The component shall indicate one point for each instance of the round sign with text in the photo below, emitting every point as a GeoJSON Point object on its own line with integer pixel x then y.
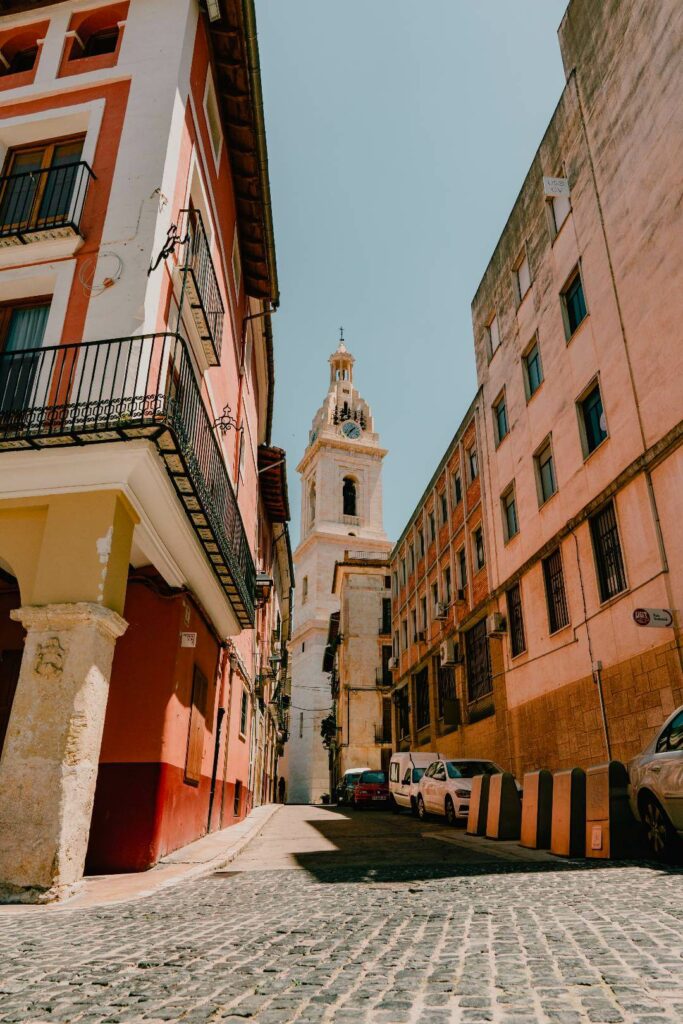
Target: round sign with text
{"type": "Point", "coordinates": [641, 617]}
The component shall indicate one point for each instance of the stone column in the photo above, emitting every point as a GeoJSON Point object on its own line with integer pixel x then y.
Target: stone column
{"type": "Point", "coordinates": [49, 764]}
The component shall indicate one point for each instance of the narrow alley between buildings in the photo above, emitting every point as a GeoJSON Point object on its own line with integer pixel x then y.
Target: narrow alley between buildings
{"type": "Point", "coordinates": [353, 917]}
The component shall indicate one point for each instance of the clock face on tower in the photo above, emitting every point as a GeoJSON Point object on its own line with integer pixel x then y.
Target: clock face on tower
{"type": "Point", "coordinates": [351, 430]}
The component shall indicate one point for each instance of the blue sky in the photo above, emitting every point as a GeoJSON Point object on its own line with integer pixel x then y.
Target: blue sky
{"type": "Point", "coordinates": [399, 134]}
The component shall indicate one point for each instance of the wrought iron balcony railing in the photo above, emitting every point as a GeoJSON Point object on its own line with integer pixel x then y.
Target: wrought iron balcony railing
{"type": "Point", "coordinates": [200, 284]}
{"type": "Point", "coordinates": [44, 203]}
{"type": "Point", "coordinates": [125, 389]}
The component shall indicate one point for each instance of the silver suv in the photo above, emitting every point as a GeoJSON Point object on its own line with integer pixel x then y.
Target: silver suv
{"type": "Point", "coordinates": [656, 787]}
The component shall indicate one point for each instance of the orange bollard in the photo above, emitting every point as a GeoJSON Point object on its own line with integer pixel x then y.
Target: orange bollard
{"type": "Point", "coordinates": [568, 832]}
{"type": "Point", "coordinates": [537, 810]}
{"type": "Point", "coordinates": [505, 809]}
{"type": "Point", "coordinates": [479, 802]}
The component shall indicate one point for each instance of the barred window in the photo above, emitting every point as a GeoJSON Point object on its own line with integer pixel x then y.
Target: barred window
{"type": "Point", "coordinates": [479, 681]}
{"type": "Point", "coordinates": [422, 698]}
{"type": "Point", "coordinates": [558, 611]}
{"type": "Point", "coordinates": [403, 706]}
{"type": "Point", "coordinates": [446, 686]}
{"type": "Point", "coordinates": [516, 619]}
{"type": "Point", "coordinates": [608, 557]}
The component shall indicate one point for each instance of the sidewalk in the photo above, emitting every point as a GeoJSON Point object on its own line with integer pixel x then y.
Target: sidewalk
{"type": "Point", "coordinates": [211, 853]}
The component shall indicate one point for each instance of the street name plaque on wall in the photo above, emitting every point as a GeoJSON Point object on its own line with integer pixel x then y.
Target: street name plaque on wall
{"type": "Point", "coordinates": [657, 618]}
{"type": "Point", "coordinates": [188, 639]}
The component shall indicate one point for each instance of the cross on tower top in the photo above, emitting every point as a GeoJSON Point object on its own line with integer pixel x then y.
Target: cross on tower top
{"type": "Point", "coordinates": [341, 333]}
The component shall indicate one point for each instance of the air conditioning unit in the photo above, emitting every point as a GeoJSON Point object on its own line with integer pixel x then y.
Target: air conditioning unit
{"type": "Point", "coordinates": [393, 664]}
{"type": "Point", "coordinates": [449, 652]}
{"type": "Point", "coordinates": [441, 610]}
{"type": "Point", "coordinates": [495, 624]}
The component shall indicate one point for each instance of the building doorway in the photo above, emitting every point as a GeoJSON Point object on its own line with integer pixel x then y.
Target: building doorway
{"type": "Point", "coordinates": [11, 649]}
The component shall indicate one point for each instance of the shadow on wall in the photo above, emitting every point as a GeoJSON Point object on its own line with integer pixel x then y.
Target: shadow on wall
{"type": "Point", "coordinates": [375, 847]}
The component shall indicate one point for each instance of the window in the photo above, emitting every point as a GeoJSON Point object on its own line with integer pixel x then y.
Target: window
{"type": "Point", "coordinates": [386, 615]}
{"type": "Point", "coordinates": [457, 487]}
{"type": "Point", "coordinates": [500, 419]}
{"type": "Point", "coordinates": [672, 737]}
{"type": "Point", "coordinates": [236, 262]}
{"type": "Point", "coordinates": [607, 549]}
{"type": "Point", "coordinates": [473, 464]}
{"type": "Point", "coordinates": [40, 190]}
{"type": "Point", "coordinates": [422, 699]}
{"type": "Point", "coordinates": [387, 679]}
{"type": "Point", "coordinates": [403, 571]}
{"type": "Point", "coordinates": [23, 59]}
{"type": "Point", "coordinates": [98, 43]}
{"type": "Point", "coordinates": [311, 504]}
{"type": "Point", "coordinates": [444, 508]}
{"type": "Point", "coordinates": [423, 612]}
{"type": "Point", "coordinates": [478, 544]}
{"type": "Point", "coordinates": [394, 583]}
{"type": "Point", "coordinates": [522, 277]}
{"type": "Point", "coordinates": [411, 558]}
{"type": "Point", "coordinates": [413, 623]}
{"type": "Point", "coordinates": [397, 649]}
{"type": "Point", "coordinates": [432, 528]}
{"type": "Point", "coordinates": [546, 482]}
{"type": "Point", "coordinates": [493, 335]}
{"type": "Point", "coordinates": [404, 631]}
{"type": "Point", "coordinates": [559, 207]}
{"type": "Point", "coordinates": [195, 736]}
{"type": "Point", "coordinates": [516, 620]}
{"type": "Point", "coordinates": [447, 593]}
{"type": "Point", "coordinates": [479, 680]}
{"type": "Point", "coordinates": [533, 370]}
{"type": "Point", "coordinates": [304, 590]}
{"type": "Point", "coordinates": [303, 647]}
{"type": "Point", "coordinates": [446, 678]}
{"type": "Point", "coordinates": [403, 709]}
{"type": "Point", "coordinates": [435, 597]}
{"type": "Point", "coordinates": [462, 568]}
{"type": "Point", "coordinates": [509, 507]}
{"type": "Point", "coordinates": [349, 496]}
{"type": "Point", "coordinates": [244, 713]}
{"type": "Point", "coordinates": [213, 118]}
{"type": "Point", "coordinates": [238, 797]}
{"type": "Point", "coordinates": [22, 329]}
{"type": "Point", "coordinates": [573, 305]}
{"type": "Point", "coordinates": [420, 543]}
{"type": "Point", "coordinates": [592, 423]}
{"type": "Point", "coordinates": [558, 611]}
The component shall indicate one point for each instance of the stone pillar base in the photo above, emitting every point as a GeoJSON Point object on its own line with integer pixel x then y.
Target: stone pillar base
{"type": "Point", "coordinates": [50, 759]}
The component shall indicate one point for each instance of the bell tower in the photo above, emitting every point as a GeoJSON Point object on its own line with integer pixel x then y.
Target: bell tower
{"type": "Point", "coordinates": [341, 510]}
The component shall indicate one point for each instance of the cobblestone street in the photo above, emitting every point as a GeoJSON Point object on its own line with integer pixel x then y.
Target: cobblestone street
{"type": "Point", "coordinates": [365, 917]}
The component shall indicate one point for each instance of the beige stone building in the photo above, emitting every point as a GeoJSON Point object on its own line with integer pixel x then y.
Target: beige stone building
{"type": "Point", "coordinates": [358, 658]}
{"type": "Point", "coordinates": [341, 505]}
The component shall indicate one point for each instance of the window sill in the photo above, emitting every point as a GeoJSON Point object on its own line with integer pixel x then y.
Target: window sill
{"type": "Point", "coordinates": [519, 654]}
{"type": "Point", "coordinates": [509, 540]}
{"type": "Point", "coordinates": [242, 737]}
{"type": "Point", "coordinates": [558, 231]}
{"type": "Point", "coordinates": [615, 597]}
{"type": "Point", "coordinates": [547, 500]}
{"type": "Point", "coordinates": [500, 440]}
{"type": "Point", "coordinates": [520, 302]}
{"type": "Point", "coordinates": [559, 630]}
{"type": "Point", "coordinates": [530, 398]}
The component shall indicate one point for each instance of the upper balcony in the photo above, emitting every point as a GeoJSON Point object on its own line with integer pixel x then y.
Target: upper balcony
{"type": "Point", "coordinates": [127, 389]}
{"type": "Point", "coordinates": [44, 205]}
{"type": "Point", "coordinates": [199, 285]}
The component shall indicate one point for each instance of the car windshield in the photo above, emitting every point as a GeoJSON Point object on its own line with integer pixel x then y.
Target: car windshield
{"type": "Point", "coordinates": [417, 774]}
{"type": "Point", "coordinates": [370, 777]}
{"type": "Point", "coordinates": [468, 769]}
{"type": "Point", "coordinates": [351, 780]}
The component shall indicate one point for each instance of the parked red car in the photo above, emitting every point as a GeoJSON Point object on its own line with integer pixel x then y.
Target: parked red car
{"type": "Point", "coordinates": [372, 790]}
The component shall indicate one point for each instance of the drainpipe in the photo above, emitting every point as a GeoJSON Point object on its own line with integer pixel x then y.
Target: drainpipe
{"type": "Point", "coordinates": [214, 770]}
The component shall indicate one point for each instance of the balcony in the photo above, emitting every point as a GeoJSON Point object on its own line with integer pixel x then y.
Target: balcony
{"type": "Point", "coordinates": [127, 389]}
{"type": "Point", "coordinates": [43, 205]}
{"type": "Point", "coordinates": [200, 285]}
{"type": "Point", "coordinates": [383, 677]}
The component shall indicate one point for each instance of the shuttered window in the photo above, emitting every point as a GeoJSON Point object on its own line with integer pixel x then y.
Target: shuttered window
{"type": "Point", "coordinates": [479, 679]}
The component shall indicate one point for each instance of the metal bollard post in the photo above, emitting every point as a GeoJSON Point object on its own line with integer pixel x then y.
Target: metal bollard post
{"type": "Point", "coordinates": [611, 830]}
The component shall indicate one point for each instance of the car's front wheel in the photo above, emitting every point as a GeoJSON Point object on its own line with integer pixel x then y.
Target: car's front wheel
{"type": "Point", "coordinates": [450, 811]}
{"type": "Point", "coordinates": [421, 809]}
{"type": "Point", "coordinates": [661, 837]}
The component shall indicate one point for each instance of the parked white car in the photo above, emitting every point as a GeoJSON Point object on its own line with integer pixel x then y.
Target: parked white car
{"type": "Point", "coordinates": [656, 787]}
{"type": "Point", "coordinates": [406, 768]}
{"type": "Point", "coordinates": [446, 786]}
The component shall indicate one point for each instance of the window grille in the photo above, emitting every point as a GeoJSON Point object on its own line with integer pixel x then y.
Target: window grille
{"type": "Point", "coordinates": [403, 706]}
{"type": "Point", "coordinates": [515, 617]}
{"type": "Point", "coordinates": [479, 681]}
{"type": "Point", "coordinates": [446, 686]}
{"type": "Point", "coordinates": [558, 611]}
{"type": "Point", "coordinates": [608, 557]}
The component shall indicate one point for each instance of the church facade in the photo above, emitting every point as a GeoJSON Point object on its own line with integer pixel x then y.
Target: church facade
{"type": "Point", "coordinates": [341, 514]}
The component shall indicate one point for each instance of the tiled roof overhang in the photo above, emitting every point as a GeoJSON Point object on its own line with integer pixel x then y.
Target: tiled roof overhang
{"type": "Point", "coordinates": [273, 482]}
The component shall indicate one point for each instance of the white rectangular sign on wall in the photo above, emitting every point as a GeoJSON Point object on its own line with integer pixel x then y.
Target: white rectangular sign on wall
{"type": "Point", "coordinates": [556, 186]}
{"type": "Point", "coordinates": [188, 639]}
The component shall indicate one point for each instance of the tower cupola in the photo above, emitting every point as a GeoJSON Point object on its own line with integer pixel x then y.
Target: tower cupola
{"type": "Point", "coordinates": [341, 364]}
